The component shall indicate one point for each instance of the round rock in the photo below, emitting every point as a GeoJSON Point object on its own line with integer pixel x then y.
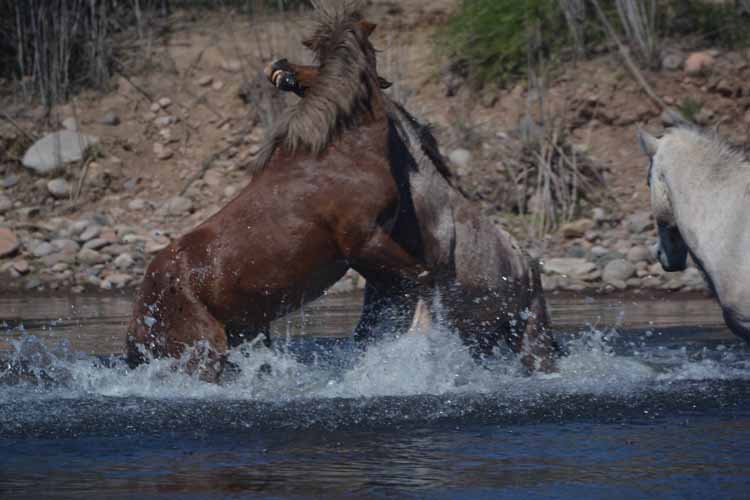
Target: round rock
{"type": "Point", "coordinates": [54, 150]}
{"type": "Point", "coordinates": [8, 242]}
{"type": "Point", "coordinates": [618, 270]}
{"type": "Point", "coordinates": [460, 157]}
{"type": "Point", "coordinates": [639, 254]}
{"type": "Point", "coordinates": [59, 188]}
{"type": "Point", "coordinates": [5, 203]}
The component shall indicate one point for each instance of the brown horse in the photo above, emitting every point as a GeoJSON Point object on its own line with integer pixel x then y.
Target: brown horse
{"type": "Point", "coordinates": [324, 199]}
{"type": "Point", "coordinates": [490, 290]}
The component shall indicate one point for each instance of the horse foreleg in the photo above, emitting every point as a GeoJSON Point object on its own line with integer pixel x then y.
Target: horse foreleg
{"type": "Point", "coordinates": [381, 259]}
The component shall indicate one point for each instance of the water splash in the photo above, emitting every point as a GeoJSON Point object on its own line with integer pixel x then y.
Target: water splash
{"type": "Point", "coordinates": [435, 364]}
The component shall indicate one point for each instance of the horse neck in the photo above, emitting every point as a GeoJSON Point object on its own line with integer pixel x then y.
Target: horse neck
{"type": "Point", "coordinates": [710, 207]}
{"type": "Point", "coordinates": [430, 195]}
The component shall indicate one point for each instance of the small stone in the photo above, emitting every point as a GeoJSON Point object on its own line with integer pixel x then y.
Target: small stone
{"type": "Point", "coordinates": [178, 205]}
{"type": "Point", "coordinates": [204, 81]}
{"type": "Point", "coordinates": [110, 118]}
{"type": "Point", "coordinates": [638, 254]}
{"type": "Point", "coordinates": [651, 282]}
{"type": "Point", "coordinates": [699, 63]}
{"type": "Point", "coordinates": [693, 278]}
{"type": "Point", "coordinates": [91, 232]}
{"type": "Point", "coordinates": [570, 266]}
{"type": "Point", "coordinates": [5, 203]}
{"type": "Point", "coordinates": [217, 85]}
{"type": "Point", "coordinates": [232, 66]}
{"type": "Point", "coordinates": [230, 191]}
{"type": "Point", "coordinates": [639, 222]}
{"type": "Point", "coordinates": [156, 246]}
{"type": "Point", "coordinates": [79, 226]}
{"type": "Point", "coordinates": [59, 188]}
{"type": "Point", "coordinates": [97, 243]}
{"type": "Point", "coordinates": [617, 270]}
{"type": "Point", "coordinates": [162, 152]}
{"type": "Point", "coordinates": [673, 284]}
{"type": "Point", "coordinates": [599, 215]}
{"type": "Point", "coordinates": [90, 257]}
{"type": "Point", "coordinates": [577, 228]}
{"type": "Point", "coordinates": [9, 181]}
{"type": "Point", "coordinates": [549, 283]}
{"type": "Point", "coordinates": [42, 249]}
{"type": "Point", "coordinates": [124, 261]}
{"type": "Point", "coordinates": [71, 124]}
{"type": "Point", "coordinates": [116, 249]}
{"type": "Point", "coordinates": [119, 280]}
{"type": "Point", "coordinates": [672, 61]}
{"type": "Point", "coordinates": [21, 266]}
{"type": "Point", "coordinates": [618, 284]}
{"type": "Point", "coordinates": [9, 243]}
{"type": "Point", "coordinates": [598, 251]}
{"type": "Point", "coordinates": [633, 283]}
{"type": "Point", "coordinates": [213, 178]}
{"type": "Point", "coordinates": [137, 204]}
{"type": "Point", "coordinates": [165, 121]}
{"type": "Point", "coordinates": [65, 246]}
{"type": "Point", "coordinates": [460, 158]}
{"type": "Point", "coordinates": [164, 102]}
{"type": "Point", "coordinates": [155, 107]}
{"type": "Point", "coordinates": [60, 267]}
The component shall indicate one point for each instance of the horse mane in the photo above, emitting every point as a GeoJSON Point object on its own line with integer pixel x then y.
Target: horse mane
{"type": "Point", "coordinates": [342, 94]}
{"type": "Point", "coordinates": [427, 143]}
{"type": "Point", "coordinates": [716, 145]}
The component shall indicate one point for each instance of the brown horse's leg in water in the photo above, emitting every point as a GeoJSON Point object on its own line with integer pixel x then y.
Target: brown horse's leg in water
{"type": "Point", "coordinates": [200, 334]}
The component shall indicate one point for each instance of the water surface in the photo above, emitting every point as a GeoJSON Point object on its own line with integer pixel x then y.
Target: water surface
{"type": "Point", "coordinates": [652, 401]}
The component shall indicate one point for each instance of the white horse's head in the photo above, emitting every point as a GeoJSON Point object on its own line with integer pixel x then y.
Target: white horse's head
{"type": "Point", "coordinates": [671, 251]}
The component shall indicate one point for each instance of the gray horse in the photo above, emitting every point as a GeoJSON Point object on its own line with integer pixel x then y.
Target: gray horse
{"type": "Point", "coordinates": [489, 289]}
{"type": "Point", "coordinates": [700, 196]}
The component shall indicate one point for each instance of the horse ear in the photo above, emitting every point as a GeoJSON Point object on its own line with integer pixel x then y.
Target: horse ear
{"type": "Point", "coordinates": [368, 27]}
{"type": "Point", "coordinates": [649, 144]}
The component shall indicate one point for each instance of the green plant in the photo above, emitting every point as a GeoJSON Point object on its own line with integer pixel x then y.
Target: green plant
{"type": "Point", "coordinates": [720, 23]}
{"type": "Point", "coordinates": [689, 107]}
{"type": "Point", "coordinates": [492, 36]}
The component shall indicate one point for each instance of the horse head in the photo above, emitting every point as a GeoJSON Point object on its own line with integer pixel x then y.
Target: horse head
{"type": "Point", "coordinates": [671, 250]}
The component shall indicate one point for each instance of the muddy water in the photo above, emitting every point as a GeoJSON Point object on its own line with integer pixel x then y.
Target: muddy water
{"type": "Point", "coordinates": [652, 400]}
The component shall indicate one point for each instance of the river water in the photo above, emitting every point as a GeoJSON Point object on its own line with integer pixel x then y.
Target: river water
{"type": "Point", "coordinates": [652, 400]}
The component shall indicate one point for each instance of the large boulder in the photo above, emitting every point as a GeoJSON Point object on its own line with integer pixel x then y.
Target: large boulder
{"type": "Point", "coordinates": [54, 150]}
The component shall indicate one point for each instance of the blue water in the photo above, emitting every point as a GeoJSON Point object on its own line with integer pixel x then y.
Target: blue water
{"type": "Point", "coordinates": [635, 412]}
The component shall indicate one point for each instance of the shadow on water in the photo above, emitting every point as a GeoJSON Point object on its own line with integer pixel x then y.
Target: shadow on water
{"type": "Point", "coordinates": [652, 400]}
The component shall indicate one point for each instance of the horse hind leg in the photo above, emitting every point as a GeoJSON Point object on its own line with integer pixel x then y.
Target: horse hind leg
{"type": "Point", "coordinates": [536, 345]}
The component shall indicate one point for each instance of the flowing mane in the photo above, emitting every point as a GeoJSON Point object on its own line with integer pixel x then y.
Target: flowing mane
{"type": "Point", "coordinates": [343, 93]}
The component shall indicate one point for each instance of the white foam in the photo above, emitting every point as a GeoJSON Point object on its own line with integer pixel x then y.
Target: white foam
{"type": "Point", "coordinates": [437, 363]}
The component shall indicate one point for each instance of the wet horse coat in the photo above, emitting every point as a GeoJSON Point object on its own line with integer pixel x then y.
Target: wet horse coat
{"type": "Point", "coordinates": [323, 200]}
{"type": "Point", "coordinates": [490, 290]}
